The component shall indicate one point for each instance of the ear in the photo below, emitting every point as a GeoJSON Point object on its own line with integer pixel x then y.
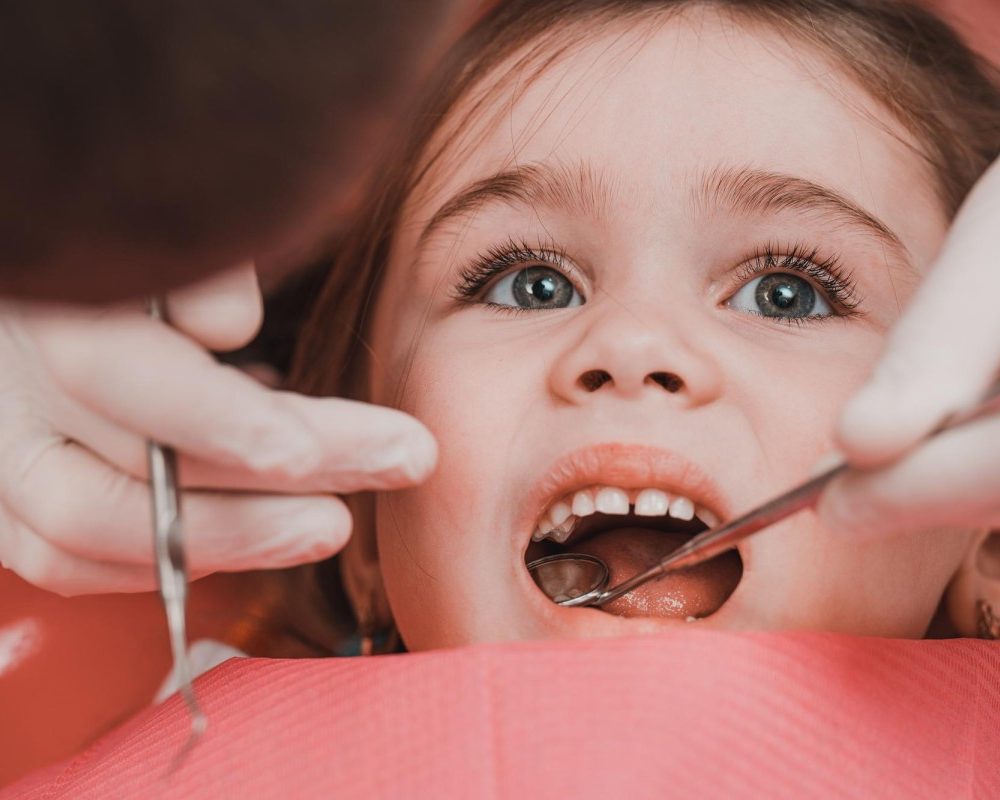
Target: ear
{"type": "Point", "coordinates": [360, 571]}
{"type": "Point", "coordinates": [974, 595]}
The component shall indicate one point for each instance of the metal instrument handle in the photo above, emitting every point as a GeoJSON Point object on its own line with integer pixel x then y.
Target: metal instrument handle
{"type": "Point", "coordinates": [171, 564]}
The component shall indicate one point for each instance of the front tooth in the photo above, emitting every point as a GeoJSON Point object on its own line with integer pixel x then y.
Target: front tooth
{"type": "Point", "coordinates": [651, 503]}
{"type": "Point", "coordinates": [706, 516]}
{"type": "Point", "coordinates": [561, 534]}
{"type": "Point", "coordinates": [559, 513]}
{"type": "Point", "coordinates": [583, 503]}
{"type": "Point", "coordinates": [682, 508]}
{"type": "Point", "coordinates": [611, 500]}
{"type": "Point", "coordinates": [538, 535]}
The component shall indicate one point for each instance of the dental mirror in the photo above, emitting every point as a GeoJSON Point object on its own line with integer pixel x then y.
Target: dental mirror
{"type": "Point", "coordinates": [570, 579]}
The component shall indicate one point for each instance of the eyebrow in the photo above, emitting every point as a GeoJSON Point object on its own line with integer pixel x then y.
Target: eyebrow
{"type": "Point", "coordinates": [588, 191]}
{"type": "Point", "coordinates": [579, 189]}
{"type": "Point", "coordinates": [752, 191]}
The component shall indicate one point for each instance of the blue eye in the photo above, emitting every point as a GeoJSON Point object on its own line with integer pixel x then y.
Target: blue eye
{"type": "Point", "coordinates": [780, 295]}
{"type": "Point", "coordinates": [534, 288]}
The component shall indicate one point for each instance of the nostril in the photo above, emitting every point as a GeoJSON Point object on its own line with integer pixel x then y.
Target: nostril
{"type": "Point", "coordinates": [594, 379]}
{"type": "Point", "coordinates": [667, 380]}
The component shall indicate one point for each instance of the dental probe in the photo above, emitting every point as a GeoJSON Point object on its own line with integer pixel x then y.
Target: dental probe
{"type": "Point", "coordinates": [171, 566]}
{"type": "Point", "coordinates": [576, 579]}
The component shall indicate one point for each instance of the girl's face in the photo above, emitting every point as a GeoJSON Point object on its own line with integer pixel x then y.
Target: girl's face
{"type": "Point", "coordinates": [641, 283]}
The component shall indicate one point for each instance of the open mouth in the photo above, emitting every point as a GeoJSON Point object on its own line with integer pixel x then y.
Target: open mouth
{"type": "Point", "coordinates": [630, 530]}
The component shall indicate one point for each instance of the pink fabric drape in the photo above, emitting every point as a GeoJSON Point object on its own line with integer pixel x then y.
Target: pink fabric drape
{"type": "Point", "coordinates": [685, 714]}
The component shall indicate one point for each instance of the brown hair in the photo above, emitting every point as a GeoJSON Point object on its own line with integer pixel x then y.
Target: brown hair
{"type": "Point", "coordinates": [143, 143]}
{"type": "Point", "coordinates": [905, 57]}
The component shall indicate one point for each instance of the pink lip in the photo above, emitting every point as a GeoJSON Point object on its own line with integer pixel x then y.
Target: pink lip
{"type": "Point", "coordinates": [628, 466]}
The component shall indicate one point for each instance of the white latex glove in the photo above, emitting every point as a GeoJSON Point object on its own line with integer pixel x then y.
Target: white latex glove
{"type": "Point", "coordinates": [81, 390]}
{"type": "Point", "coordinates": [941, 357]}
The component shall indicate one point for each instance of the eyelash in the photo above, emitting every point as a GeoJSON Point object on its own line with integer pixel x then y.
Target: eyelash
{"type": "Point", "coordinates": [826, 272]}
{"type": "Point", "coordinates": [493, 263]}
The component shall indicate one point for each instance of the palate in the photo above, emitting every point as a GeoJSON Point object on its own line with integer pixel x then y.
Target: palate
{"type": "Point", "coordinates": [595, 524]}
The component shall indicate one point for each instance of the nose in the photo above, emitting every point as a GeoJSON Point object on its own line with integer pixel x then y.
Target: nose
{"type": "Point", "coordinates": [631, 355]}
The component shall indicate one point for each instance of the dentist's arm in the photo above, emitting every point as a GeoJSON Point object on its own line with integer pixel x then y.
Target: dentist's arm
{"type": "Point", "coordinates": [941, 356]}
{"type": "Point", "coordinates": [81, 390]}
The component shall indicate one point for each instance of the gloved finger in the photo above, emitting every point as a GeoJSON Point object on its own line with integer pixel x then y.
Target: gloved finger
{"type": "Point", "coordinates": [155, 382]}
{"type": "Point", "coordinates": [354, 454]}
{"type": "Point", "coordinates": [115, 444]}
{"type": "Point", "coordinates": [952, 479]}
{"type": "Point", "coordinates": [87, 508]}
{"type": "Point", "coordinates": [346, 462]}
{"type": "Point", "coordinates": [44, 565]}
{"type": "Point", "coordinates": [945, 350]}
{"type": "Point", "coordinates": [223, 312]}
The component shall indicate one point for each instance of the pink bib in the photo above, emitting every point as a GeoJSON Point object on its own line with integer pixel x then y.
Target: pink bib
{"type": "Point", "coordinates": [686, 714]}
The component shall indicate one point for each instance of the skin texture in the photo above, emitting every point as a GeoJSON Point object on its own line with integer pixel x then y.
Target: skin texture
{"type": "Point", "coordinates": [656, 264]}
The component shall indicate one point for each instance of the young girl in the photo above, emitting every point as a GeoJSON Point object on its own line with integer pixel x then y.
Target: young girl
{"type": "Point", "coordinates": [632, 262]}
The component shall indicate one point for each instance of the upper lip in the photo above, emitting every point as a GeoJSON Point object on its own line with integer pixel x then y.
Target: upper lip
{"type": "Point", "coordinates": [627, 466]}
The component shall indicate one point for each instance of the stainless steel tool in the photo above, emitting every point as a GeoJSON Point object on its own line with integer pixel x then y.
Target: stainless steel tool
{"type": "Point", "coordinates": [171, 566]}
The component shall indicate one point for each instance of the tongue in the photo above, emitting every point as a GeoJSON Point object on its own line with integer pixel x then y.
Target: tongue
{"type": "Point", "coordinates": [694, 592]}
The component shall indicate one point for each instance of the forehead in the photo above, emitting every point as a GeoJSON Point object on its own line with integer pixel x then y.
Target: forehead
{"type": "Point", "coordinates": [656, 104]}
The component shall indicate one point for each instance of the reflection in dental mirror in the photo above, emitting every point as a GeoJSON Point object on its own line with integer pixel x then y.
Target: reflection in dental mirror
{"type": "Point", "coordinates": [570, 579]}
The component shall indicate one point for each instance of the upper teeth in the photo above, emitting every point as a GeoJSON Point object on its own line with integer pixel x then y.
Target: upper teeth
{"type": "Point", "coordinates": [561, 517]}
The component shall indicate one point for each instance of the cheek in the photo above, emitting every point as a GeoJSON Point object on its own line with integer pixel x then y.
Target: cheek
{"type": "Point", "coordinates": [474, 385]}
{"type": "Point", "coordinates": [802, 574]}
{"type": "Point", "coordinates": [822, 579]}
{"type": "Point", "coordinates": [792, 395]}
{"type": "Point", "coordinates": [471, 401]}
{"type": "Point", "coordinates": [441, 543]}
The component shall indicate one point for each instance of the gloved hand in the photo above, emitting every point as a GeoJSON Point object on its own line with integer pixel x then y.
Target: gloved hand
{"type": "Point", "coordinates": [941, 356]}
{"type": "Point", "coordinates": [81, 390]}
